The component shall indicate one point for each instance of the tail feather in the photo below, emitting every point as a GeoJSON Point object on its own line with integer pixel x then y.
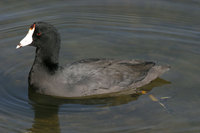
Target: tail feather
{"type": "Point", "coordinates": [153, 73]}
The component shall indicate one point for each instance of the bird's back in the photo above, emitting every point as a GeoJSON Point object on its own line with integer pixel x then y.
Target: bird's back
{"type": "Point", "coordinates": [100, 76]}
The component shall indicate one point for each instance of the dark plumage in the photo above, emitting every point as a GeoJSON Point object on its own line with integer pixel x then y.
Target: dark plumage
{"type": "Point", "coordinates": [85, 77]}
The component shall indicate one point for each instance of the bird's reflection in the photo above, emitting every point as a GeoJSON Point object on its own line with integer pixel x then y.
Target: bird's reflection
{"type": "Point", "coordinates": [46, 108]}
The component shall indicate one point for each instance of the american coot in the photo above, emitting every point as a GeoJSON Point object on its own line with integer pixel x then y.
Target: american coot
{"type": "Point", "coordinates": [85, 77]}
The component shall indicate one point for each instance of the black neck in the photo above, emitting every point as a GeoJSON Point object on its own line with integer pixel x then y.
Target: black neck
{"type": "Point", "coordinates": [48, 59]}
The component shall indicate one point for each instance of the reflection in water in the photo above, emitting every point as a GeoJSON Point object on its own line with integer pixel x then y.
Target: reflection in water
{"type": "Point", "coordinates": [46, 119]}
{"type": "Point", "coordinates": [165, 31]}
{"type": "Point", "coordinates": [46, 107]}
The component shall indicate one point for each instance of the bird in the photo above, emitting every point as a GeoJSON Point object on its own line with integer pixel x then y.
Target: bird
{"type": "Point", "coordinates": [86, 77]}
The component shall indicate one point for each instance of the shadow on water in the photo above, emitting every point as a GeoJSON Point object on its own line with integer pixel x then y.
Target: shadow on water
{"type": "Point", "coordinates": [46, 108]}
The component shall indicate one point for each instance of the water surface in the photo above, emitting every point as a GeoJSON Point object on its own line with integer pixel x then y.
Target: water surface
{"type": "Point", "coordinates": [158, 30]}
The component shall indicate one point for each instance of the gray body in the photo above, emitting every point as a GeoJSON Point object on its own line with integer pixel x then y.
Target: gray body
{"type": "Point", "coordinates": [96, 76]}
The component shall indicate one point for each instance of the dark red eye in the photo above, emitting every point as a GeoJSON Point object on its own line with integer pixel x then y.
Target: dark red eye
{"type": "Point", "coordinates": [39, 34]}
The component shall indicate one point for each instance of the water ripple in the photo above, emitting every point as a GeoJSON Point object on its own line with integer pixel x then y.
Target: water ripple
{"type": "Point", "coordinates": [163, 31]}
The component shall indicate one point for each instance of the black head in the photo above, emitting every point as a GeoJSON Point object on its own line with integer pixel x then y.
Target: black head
{"type": "Point", "coordinates": [46, 39]}
{"type": "Point", "coordinates": [41, 35]}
